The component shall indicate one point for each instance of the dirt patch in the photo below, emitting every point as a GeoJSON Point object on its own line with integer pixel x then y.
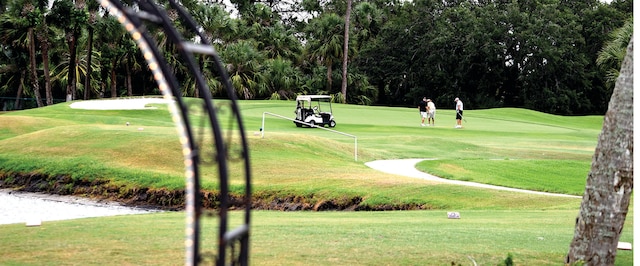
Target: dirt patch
{"type": "Point", "coordinates": [164, 199]}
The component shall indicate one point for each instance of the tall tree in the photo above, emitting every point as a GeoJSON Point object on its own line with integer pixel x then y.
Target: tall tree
{"type": "Point", "coordinates": [325, 40]}
{"type": "Point", "coordinates": [72, 17]}
{"type": "Point", "coordinates": [42, 34]}
{"type": "Point", "coordinates": [112, 44]}
{"type": "Point", "coordinates": [345, 52]}
{"type": "Point", "coordinates": [31, 12]}
{"type": "Point", "coordinates": [610, 182]}
{"type": "Point", "coordinates": [92, 7]}
{"type": "Point", "coordinates": [15, 57]}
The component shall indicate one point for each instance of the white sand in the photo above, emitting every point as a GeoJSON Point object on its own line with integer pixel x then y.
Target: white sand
{"type": "Point", "coordinates": [22, 207]}
{"type": "Point", "coordinates": [119, 103]}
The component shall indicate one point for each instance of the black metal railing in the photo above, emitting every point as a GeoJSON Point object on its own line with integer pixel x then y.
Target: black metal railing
{"type": "Point", "coordinates": [223, 147]}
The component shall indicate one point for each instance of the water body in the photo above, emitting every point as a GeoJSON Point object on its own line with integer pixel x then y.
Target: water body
{"type": "Point", "coordinates": [29, 208]}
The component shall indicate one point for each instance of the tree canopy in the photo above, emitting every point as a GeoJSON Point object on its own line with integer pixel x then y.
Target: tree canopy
{"type": "Point", "coordinates": [544, 55]}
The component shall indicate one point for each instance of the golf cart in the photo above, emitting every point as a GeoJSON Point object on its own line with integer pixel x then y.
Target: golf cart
{"type": "Point", "coordinates": [309, 110]}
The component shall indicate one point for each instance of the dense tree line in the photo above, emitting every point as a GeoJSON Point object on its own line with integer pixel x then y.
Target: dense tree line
{"type": "Point", "coordinates": [536, 54]}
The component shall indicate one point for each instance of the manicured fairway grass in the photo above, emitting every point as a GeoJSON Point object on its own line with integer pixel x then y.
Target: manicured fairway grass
{"type": "Point", "coordinates": [508, 147]}
{"type": "Point", "coordinates": [557, 176]}
{"type": "Point", "coordinates": [310, 238]}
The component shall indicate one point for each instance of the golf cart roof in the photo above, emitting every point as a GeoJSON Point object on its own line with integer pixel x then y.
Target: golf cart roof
{"type": "Point", "coordinates": [309, 98]}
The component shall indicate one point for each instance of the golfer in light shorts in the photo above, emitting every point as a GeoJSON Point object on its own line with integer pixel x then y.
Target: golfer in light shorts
{"type": "Point", "coordinates": [431, 113]}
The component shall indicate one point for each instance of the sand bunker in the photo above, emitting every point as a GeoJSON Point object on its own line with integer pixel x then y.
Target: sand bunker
{"type": "Point", "coordinates": [119, 104]}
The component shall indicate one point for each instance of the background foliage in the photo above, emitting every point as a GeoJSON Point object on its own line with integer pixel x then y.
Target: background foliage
{"type": "Point", "coordinates": [536, 54]}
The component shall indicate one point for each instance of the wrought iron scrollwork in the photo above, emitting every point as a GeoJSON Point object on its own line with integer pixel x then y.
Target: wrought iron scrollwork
{"type": "Point", "coordinates": [220, 150]}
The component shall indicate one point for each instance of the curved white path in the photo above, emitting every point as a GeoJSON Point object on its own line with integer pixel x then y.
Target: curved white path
{"type": "Point", "coordinates": [407, 167]}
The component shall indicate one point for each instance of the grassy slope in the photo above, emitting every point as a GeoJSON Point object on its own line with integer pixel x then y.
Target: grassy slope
{"type": "Point", "coordinates": [314, 163]}
{"type": "Point", "coordinates": [310, 162]}
{"type": "Point", "coordinates": [512, 144]}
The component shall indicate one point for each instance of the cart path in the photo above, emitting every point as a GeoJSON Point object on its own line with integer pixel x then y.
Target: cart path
{"type": "Point", "coordinates": [407, 167]}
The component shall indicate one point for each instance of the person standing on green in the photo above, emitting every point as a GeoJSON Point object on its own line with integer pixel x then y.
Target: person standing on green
{"type": "Point", "coordinates": [459, 109]}
{"type": "Point", "coordinates": [422, 107]}
{"type": "Point", "coordinates": [431, 113]}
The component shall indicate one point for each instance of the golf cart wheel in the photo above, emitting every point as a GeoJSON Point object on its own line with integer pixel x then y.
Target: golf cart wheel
{"type": "Point", "coordinates": [298, 124]}
{"type": "Point", "coordinates": [332, 123]}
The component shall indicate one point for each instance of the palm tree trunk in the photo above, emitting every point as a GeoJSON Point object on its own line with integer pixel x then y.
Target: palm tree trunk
{"type": "Point", "coordinates": [44, 48]}
{"type": "Point", "coordinates": [16, 105]}
{"type": "Point", "coordinates": [34, 73]}
{"type": "Point", "coordinates": [71, 77]}
{"type": "Point", "coordinates": [114, 92]}
{"type": "Point", "coordinates": [345, 52]}
{"type": "Point", "coordinates": [329, 73]}
{"type": "Point", "coordinates": [196, 92]}
{"type": "Point", "coordinates": [128, 69]}
{"type": "Point", "coordinates": [87, 78]}
{"type": "Point", "coordinates": [610, 182]}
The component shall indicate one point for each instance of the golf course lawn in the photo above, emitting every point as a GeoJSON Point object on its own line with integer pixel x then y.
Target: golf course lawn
{"type": "Point", "coordinates": [295, 167]}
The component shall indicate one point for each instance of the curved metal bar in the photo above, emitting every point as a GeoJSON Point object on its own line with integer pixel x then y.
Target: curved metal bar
{"type": "Point", "coordinates": [168, 84]}
{"type": "Point", "coordinates": [204, 90]}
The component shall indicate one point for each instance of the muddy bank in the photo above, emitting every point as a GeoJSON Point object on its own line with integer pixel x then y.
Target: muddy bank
{"type": "Point", "coordinates": [164, 199]}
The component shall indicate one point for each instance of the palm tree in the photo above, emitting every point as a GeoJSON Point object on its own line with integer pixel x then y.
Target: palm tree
{"type": "Point", "coordinates": [61, 70]}
{"type": "Point", "coordinates": [15, 63]}
{"type": "Point", "coordinates": [218, 28]}
{"type": "Point", "coordinates": [325, 42]}
{"type": "Point", "coordinates": [29, 10]}
{"type": "Point", "coordinates": [110, 44]}
{"type": "Point", "coordinates": [243, 63]}
{"type": "Point", "coordinates": [278, 41]}
{"type": "Point", "coordinates": [280, 79]}
{"type": "Point", "coordinates": [12, 75]}
{"type": "Point", "coordinates": [92, 7]}
{"type": "Point", "coordinates": [607, 195]}
{"type": "Point", "coordinates": [345, 52]}
{"type": "Point", "coordinates": [613, 52]}
{"type": "Point", "coordinates": [28, 27]}
{"type": "Point", "coordinates": [71, 17]}
{"type": "Point", "coordinates": [42, 34]}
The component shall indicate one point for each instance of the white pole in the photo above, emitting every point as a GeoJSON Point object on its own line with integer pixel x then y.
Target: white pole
{"type": "Point", "coordinates": [312, 125]}
{"type": "Point", "coordinates": [355, 147]}
{"type": "Point", "coordinates": [262, 128]}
